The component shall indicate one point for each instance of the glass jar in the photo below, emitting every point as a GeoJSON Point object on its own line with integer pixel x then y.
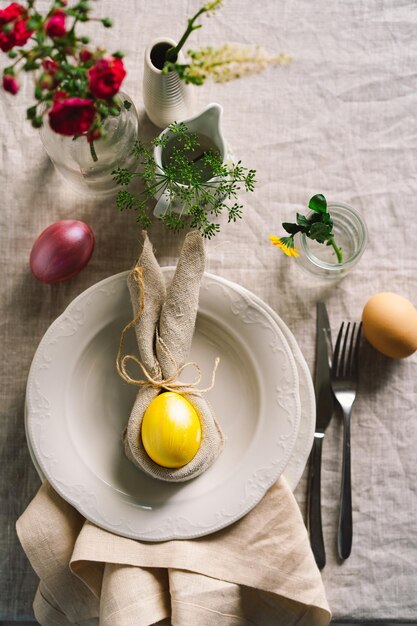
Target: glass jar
{"type": "Point", "coordinates": [350, 235]}
{"type": "Point", "coordinates": [73, 156]}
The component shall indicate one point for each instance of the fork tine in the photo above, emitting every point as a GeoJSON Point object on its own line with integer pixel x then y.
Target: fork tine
{"type": "Point", "coordinates": [355, 362]}
{"type": "Point", "coordinates": [343, 360]}
{"type": "Point", "coordinates": [351, 355]}
{"type": "Point", "coordinates": [336, 351]}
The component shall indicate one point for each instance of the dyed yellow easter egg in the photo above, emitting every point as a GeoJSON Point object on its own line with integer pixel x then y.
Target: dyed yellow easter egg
{"type": "Point", "coordinates": [171, 430]}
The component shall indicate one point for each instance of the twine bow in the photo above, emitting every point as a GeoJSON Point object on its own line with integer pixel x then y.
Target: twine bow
{"type": "Point", "coordinates": [170, 383]}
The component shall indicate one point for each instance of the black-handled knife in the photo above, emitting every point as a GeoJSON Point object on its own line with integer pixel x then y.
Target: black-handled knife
{"type": "Point", "coordinates": [324, 411]}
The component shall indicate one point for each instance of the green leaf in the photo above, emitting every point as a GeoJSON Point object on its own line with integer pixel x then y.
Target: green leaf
{"type": "Point", "coordinates": [38, 92]}
{"type": "Point", "coordinates": [292, 229]}
{"type": "Point", "coordinates": [37, 122]}
{"type": "Point", "coordinates": [40, 37]}
{"type": "Point", "coordinates": [34, 22]}
{"type": "Point", "coordinates": [210, 230]}
{"type": "Point", "coordinates": [31, 65]}
{"type": "Point", "coordinates": [31, 112]}
{"type": "Point", "coordinates": [302, 221]}
{"type": "Point", "coordinates": [318, 203]}
{"type": "Point", "coordinates": [122, 176]}
{"type": "Point", "coordinates": [125, 200]}
{"type": "Point", "coordinates": [235, 212]}
{"type": "Point", "coordinates": [320, 232]}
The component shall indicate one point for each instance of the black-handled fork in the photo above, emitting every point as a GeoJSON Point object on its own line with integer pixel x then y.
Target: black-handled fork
{"type": "Point", "coordinates": [344, 381]}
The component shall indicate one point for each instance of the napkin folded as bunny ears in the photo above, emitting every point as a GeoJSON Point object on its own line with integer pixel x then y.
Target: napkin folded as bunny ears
{"type": "Point", "coordinates": [164, 320]}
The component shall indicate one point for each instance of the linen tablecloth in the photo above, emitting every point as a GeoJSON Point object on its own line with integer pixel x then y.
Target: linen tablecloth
{"type": "Point", "coordinates": [340, 120]}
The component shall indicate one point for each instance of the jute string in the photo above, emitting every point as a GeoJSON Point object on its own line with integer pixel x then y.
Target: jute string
{"type": "Point", "coordinates": [170, 383]}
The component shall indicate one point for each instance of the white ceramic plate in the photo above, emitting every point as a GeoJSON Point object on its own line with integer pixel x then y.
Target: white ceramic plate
{"type": "Point", "coordinates": [302, 447]}
{"type": "Point", "coordinates": [77, 408]}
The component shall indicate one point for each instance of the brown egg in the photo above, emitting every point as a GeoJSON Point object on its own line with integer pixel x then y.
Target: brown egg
{"type": "Point", "coordinates": [390, 324]}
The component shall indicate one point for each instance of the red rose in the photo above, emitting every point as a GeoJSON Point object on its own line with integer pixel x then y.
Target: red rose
{"type": "Point", "coordinates": [55, 26]}
{"type": "Point", "coordinates": [10, 84]}
{"type": "Point", "coordinates": [105, 77]}
{"type": "Point", "coordinates": [50, 66]}
{"type": "Point", "coordinates": [13, 14]}
{"type": "Point", "coordinates": [71, 116]}
{"type": "Point", "coordinates": [86, 55]}
{"type": "Point", "coordinates": [47, 79]}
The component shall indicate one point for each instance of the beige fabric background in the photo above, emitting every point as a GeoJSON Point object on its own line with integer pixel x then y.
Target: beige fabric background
{"type": "Point", "coordinates": [340, 120]}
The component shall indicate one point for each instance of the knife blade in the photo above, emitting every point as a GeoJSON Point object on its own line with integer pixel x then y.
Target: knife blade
{"type": "Point", "coordinates": [324, 411]}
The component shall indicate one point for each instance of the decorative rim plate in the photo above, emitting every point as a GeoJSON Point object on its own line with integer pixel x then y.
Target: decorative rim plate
{"type": "Point", "coordinates": [302, 448]}
{"type": "Point", "coordinates": [296, 465]}
{"type": "Point", "coordinates": [77, 408]}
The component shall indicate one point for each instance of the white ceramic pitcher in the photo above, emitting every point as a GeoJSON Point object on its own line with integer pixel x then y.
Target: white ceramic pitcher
{"type": "Point", "coordinates": [207, 123]}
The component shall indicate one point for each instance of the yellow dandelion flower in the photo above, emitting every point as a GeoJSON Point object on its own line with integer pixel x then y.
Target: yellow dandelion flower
{"type": "Point", "coordinates": [286, 244]}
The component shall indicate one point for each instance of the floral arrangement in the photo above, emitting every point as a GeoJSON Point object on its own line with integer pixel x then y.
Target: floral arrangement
{"type": "Point", "coordinates": [317, 226]}
{"type": "Point", "coordinates": [73, 84]}
{"type": "Point", "coordinates": [195, 178]}
{"type": "Point", "coordinates": [224, 63]}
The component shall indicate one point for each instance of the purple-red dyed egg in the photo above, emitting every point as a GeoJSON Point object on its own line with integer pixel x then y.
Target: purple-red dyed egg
{"type": "Point", "coordinates": [61, 251]}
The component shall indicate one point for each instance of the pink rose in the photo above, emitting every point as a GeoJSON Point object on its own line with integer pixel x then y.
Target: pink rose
{"type": "Point", "coordinates": [105, 77]}
{"type": "Point", "coordinates": [55, 26]}
{"type": "Point", "coordinates": [71, 116]}
{"type": "Point", "coordinates": [10, 84]}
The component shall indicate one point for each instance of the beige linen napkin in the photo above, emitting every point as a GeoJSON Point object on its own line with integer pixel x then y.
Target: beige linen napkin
{"type": "Point", "coordinates": [258, 571]}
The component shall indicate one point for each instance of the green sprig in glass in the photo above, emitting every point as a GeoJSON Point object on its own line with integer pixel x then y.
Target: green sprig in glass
{"type": "Point", "coordinates": [317, 226]}
{"type": "Point", "coordinates": [204, 186]}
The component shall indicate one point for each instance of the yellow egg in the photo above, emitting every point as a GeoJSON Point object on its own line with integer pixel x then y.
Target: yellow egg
{"type": "Point", "coordinates": [390, 325]}
{"type": "Point", "coordinates": [171, 430]}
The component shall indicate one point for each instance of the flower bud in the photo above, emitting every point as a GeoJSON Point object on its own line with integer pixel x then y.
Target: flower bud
{"type": "Point", "coordinates": [86, 55]}
{"type": "Point", "coordinates": [10, 84]}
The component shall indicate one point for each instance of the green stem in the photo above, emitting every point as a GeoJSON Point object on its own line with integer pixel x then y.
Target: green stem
{"type": "Point", "coordinates": [74, 24]}
{"type": "Point", "coordinates": [337, 250]}
{"type": "Point", "coordinates": [172, 53]}
{"type": "Point", "coordinates": [93, 151]}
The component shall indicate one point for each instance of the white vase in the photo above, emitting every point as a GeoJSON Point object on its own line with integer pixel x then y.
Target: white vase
{"type": "Point", "coordinates": [166, 97]}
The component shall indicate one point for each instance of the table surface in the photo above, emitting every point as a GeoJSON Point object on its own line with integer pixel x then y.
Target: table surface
{"type": "Point", "coordinates": [340, 120]}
